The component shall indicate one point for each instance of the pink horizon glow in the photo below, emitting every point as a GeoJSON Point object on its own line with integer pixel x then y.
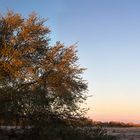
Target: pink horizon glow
{"type": "Point", "coordinates": [115, 118]}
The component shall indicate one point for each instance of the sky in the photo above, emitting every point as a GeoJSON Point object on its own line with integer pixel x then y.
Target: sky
{"type": "Point", "coordinates": [108, 36]}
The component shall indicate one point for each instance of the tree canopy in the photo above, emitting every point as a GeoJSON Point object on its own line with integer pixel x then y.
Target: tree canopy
{"type": "Point", "coordinates": [41, 85]}
{"type": "Point", "coordinates": [37, 81]}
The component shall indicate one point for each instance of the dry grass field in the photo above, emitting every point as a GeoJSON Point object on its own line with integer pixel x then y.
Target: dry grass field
{"type": "Point", "coordinates": [128, 133]}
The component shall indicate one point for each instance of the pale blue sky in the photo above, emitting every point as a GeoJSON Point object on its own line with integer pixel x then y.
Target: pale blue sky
{"type": "Point", "coordinates": [108, 32]}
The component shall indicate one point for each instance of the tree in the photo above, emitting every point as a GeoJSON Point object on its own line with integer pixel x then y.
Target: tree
{"type": "Point", "coordinates": [38, 82]}
{"type": "Point", "coordinates": [40, 85]}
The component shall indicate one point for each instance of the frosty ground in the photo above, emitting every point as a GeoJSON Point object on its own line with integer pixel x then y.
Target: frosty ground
{"type": "Point", "coordinates": [130, 133]}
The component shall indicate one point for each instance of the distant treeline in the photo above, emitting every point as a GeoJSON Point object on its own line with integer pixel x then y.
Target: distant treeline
{"type": "Point", "coordinates": [115, 124]}
{"type": "Point", "coordinates": [90, 122]}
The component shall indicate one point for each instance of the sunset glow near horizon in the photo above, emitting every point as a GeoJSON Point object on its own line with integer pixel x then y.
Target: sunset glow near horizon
{"type": "Point", "coordinates": [108, 36]}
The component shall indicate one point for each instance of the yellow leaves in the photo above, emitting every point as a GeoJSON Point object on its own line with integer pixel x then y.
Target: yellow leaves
{"type": "Point", "coordinates": [33, 28]}
{"type": "Point", "coordinates": [12, 40]}
{"type": "Point", "coordinates": [17, 63]}
{"type": "Point", "coordinates": [10, 62]}
{"type": "Point", "coordinates": [4, 51]}
{"type": "Point", "coordinates": [13, 20]}
{"type": "Point", "coordinates": [25, 52]}
{"type": "Point", "coordinates": [31, 70]}
{"type": "Point", "coordinates": [65, 72]}
{"type": "Point", "coordinates": [9, 52]}
{"type": "Point", "coordinates": [32, 18]}
{"type": "Point", "coordinates": [6, 69]}
{"type": "Point", "coordinates": [25, 33]}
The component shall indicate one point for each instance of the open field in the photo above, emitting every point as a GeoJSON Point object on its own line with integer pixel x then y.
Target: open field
{"type": "Point", "coordinates": [129, 133]}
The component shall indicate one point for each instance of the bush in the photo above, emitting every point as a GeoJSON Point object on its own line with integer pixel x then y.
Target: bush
{"type": "Point", "coordinates": [67, 133]}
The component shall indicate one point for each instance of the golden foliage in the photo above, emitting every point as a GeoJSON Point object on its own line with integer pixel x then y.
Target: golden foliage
{"type": "Point", "coordinates": [29, 64]}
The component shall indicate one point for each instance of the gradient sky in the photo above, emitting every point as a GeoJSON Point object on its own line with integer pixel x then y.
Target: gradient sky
{"type": "Point", "coordinates": [108, 32]}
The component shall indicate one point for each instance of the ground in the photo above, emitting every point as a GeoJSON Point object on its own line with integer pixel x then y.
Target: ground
{"type": "Point", "coordinates": [131, 133]}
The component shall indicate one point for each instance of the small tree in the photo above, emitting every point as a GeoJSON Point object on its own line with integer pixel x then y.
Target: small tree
{"type": "Point", "coordinates": [38, 82]}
